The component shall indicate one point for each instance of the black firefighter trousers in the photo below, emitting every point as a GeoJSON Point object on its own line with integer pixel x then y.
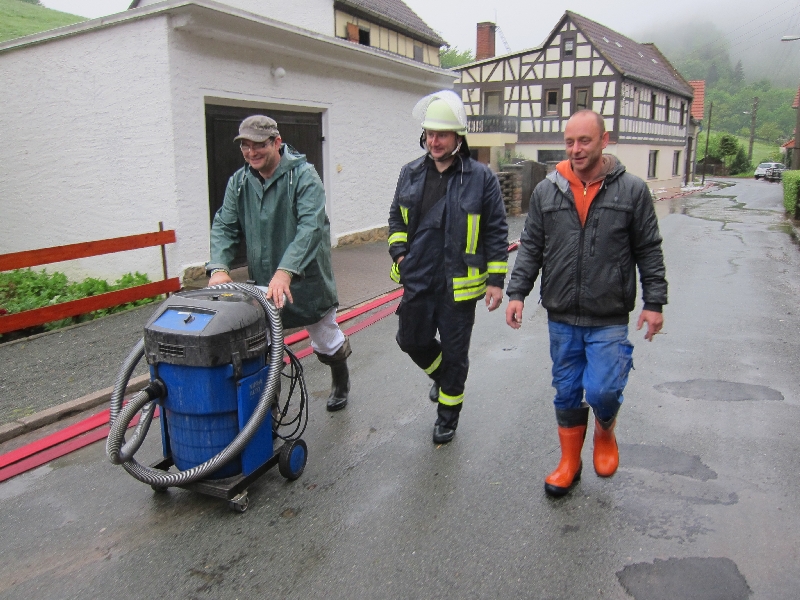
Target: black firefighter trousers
{"type": "Point", "coordinates": [445, 360]}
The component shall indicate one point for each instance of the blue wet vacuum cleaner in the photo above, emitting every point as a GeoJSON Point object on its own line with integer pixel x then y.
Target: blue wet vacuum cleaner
{"type": "Point", "coordinates": [216, 360]}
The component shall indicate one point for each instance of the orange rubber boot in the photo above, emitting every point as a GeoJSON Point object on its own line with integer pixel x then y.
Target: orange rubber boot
{"type": "Point", "coordinates": [606, 453]}
{"type": "Point", "coordinates": [569, 468]}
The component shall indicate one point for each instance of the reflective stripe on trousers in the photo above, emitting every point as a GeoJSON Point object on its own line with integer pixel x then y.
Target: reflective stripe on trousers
{"type": "Point", "coordinates": [419, 321]}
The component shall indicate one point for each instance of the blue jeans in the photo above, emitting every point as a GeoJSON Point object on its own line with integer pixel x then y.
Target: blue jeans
{"type": "Point", "coordinates": [594, 360]}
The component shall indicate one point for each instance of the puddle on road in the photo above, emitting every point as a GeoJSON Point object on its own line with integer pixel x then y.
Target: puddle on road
{"type": "Point", "coordinates": [661, 459]}
{"type": "Point", "coordinates": [685, 578]}
{"type": "Point", "coordinates": [715, 389]}
{"type": "Point", "coordinates": [725, 209]}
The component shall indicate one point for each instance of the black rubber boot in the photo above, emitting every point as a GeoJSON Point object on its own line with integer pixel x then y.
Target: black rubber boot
{"type": "Point", "coordinates": [444, 429]}
{"type": "Point", "coordinates": [434, 393]}
{"type": "Point", "coordinates": [340, 376]}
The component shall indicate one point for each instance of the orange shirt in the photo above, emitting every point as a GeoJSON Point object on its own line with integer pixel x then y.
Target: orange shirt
{"type": "Point", "coordinates": [584, 192]}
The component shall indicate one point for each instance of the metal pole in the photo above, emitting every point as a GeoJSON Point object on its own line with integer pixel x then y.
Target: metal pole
{"type": "Point", "coordinates": [708, 135]}
{"type": "Point", "coordinates": [752, 128]}
{"type": "Point", "coordinates": [687, 168]}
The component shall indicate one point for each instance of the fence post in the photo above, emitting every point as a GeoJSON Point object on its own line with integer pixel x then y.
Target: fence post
{"type": "Point", "coordinates": [163, 255]}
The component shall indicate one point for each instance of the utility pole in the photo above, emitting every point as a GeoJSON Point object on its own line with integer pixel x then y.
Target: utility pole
{"type": "Point", "coordinates": [796, 150]}
{"type": "Point", "coordinates": [752, 128]}
{"type": "Point", "coordinates": [708, 135]}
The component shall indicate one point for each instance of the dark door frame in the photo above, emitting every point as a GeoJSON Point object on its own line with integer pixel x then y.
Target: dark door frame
{"type": "Point", "coordinates": [301, 130]}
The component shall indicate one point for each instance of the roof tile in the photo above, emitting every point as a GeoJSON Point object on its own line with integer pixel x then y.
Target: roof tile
{"type": "Point", "coordinates": [699, 102]}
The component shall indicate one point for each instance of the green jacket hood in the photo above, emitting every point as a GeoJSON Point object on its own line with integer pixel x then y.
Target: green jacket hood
{"type": "Point", "coordinates": [290, 158]}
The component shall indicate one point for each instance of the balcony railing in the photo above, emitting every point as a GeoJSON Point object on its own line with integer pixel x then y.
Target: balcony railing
{"type": "Point", "coordinates": [492, 124]}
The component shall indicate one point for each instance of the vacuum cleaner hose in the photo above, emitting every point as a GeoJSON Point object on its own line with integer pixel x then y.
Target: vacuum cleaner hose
{"type": "Point", "coordinates": [122, 416]}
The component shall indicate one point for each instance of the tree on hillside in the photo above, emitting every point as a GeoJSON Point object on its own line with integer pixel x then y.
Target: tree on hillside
{"type": "Point", "coordinates": [453, 57]}
{"type": "Point", "coordinates": [738, 73]}
{"type": "Point", "coordinates": [37, 2]}
{"type": "Point", "coordinates": [712, 76]}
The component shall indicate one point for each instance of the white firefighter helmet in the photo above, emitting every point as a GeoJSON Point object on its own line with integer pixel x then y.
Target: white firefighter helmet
{"type": "Point", "coordinates": [441, 111]}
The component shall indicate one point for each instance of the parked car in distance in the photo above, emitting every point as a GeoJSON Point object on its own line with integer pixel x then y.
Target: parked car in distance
{"type": "Point", "coordinates": [761, 170]}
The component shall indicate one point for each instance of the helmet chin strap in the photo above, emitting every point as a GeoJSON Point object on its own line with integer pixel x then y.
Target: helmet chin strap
{"type": "Point", "coordinates": [448, 157]}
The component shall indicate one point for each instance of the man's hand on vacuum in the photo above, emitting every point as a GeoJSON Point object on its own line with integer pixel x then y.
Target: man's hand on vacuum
{"type": "Point", "coordinates": [219, 277]}
{"type": "Point", "coordinates": [654, 320]}
{"type": "Point", "coordinates": [514, 313]}
{"type": "Point", "coordinates": [279, 286]}
{"type": "Point", "coordinates": [494, 297]}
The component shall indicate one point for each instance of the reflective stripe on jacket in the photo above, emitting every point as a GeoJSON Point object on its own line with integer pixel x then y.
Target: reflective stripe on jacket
{"type": "Point", "coordinates": [476, 234]}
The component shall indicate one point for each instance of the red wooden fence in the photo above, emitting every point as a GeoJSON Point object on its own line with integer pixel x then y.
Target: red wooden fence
{"type": "Point", "coordinates": [43, 256]}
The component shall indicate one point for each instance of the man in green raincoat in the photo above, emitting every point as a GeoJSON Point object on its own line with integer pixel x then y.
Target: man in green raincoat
{"type": "Point", "coordinates": [277, 202]}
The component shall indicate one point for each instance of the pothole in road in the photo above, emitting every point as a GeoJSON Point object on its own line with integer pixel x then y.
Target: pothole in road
{"type": "Point", "coordinates": [685, 578]}
{"type": "Point", "coordinates": [718, 390]}
{"type": "Point", "coordinates": [660, 459]}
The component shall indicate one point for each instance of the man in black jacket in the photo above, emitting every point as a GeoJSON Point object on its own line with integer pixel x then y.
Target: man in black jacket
{"type": "Point", "coordinates": [449, 242]}
{"type": "Point", "coordinates": [589, 227]}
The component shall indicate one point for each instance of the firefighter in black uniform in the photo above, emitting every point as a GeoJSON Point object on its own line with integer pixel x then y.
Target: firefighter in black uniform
{"type": "Point", "coordinates": [449, 241]}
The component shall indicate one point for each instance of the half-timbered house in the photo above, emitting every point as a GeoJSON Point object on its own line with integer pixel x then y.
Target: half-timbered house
{"type": "Point", "coordinates": [520, 102]}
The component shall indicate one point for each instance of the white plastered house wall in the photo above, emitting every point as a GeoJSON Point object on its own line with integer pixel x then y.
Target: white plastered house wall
{"type": "Point", "coordinates": [102, 130]}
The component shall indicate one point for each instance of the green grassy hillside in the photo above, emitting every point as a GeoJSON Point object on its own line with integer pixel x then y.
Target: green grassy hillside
{"type": "Point", "coordinates": [20, 18]}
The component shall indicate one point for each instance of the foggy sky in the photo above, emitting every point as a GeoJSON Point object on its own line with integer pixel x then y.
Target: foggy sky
{"type": "Point", "coordinates": [753, 28]}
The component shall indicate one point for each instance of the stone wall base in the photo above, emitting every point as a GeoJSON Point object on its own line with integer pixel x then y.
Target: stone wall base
{"type": "Point", "coordinates": [378, 234]}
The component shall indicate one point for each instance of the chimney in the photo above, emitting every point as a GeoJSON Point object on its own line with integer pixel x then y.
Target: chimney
{"type": "Point", "coordinates": [485, 46]}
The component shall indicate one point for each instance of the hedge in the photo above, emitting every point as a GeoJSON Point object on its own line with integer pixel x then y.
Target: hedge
{"type": "Point", "coordinates": [791, 189]}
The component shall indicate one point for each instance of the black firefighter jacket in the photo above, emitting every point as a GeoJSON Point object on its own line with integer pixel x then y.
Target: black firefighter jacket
{"type": "Point", "coordinates": [589, 272]}
{"type": "Point", "coordinates": [475, 233]}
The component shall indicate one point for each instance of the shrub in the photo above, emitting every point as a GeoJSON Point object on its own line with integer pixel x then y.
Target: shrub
{"type": "Point", "coordinates": [791, 189]}
{"type": "Point", "coordinates": [740, 162]}
{"type": "Point", "coordinates": [25, 289]}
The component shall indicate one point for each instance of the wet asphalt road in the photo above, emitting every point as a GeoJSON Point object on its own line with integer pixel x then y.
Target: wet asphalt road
{"type": "Point", "coordinates": [705, 504]}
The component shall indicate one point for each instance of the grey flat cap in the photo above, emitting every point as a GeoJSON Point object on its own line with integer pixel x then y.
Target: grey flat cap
{"type": "Point", "coordinates": [257, 128]}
